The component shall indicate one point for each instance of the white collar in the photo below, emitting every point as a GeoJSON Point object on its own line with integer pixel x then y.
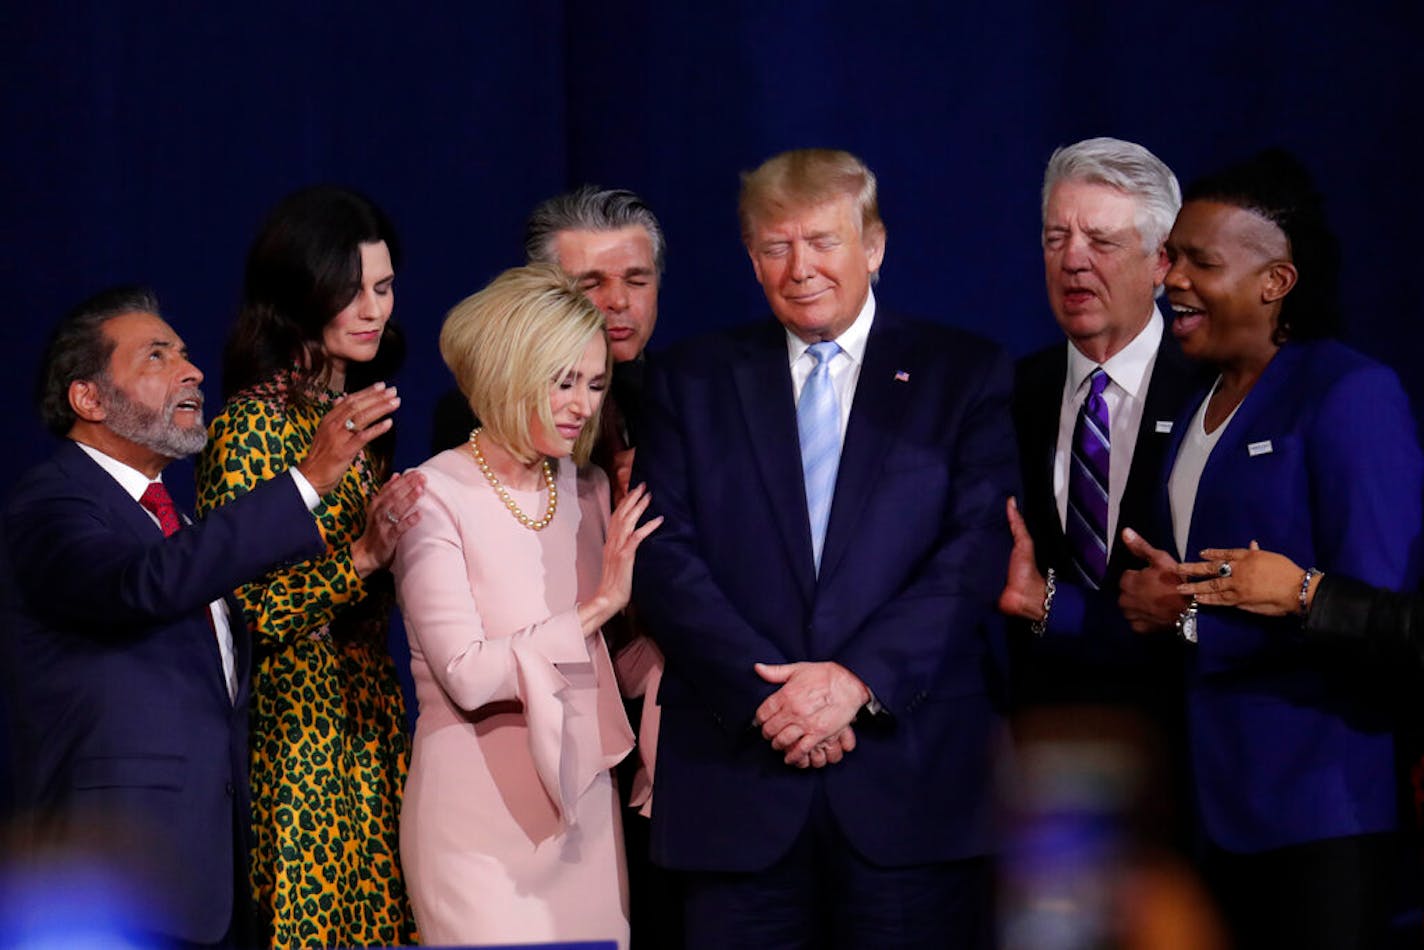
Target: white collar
{"type": "Point", "coordinates": [1128, 366]}
{"type": "Point", "coordinates": [129, 478]}
{"type": "Point", "coordinates": [852, 341]}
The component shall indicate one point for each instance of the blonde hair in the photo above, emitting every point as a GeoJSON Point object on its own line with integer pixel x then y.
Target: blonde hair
{"type": "Point", "coordinates": [509, 343]}
{"type": "Point", "coordinates": [803, 178]}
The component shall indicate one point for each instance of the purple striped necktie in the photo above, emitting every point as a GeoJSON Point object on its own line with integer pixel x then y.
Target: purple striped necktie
{"type": "Point", "coordinates": [1087, 522]}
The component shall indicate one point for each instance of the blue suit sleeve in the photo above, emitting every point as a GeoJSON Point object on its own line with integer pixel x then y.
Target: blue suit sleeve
{"type": "Point", "coordinates": [931, 636]}
{"type": "Point", "coordinates": [77, 564]}
{"type": "Point", "coordinates": [1366, 485]}
{"type": "Point", "coordinates": [696, 625]}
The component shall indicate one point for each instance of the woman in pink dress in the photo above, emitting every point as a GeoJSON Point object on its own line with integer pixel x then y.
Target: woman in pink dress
{"type": "Point", "coordinates": [510, 829]}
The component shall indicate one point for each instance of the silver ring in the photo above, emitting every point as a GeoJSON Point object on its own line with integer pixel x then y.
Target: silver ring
{"type": "Point", "coordinates": [350, 425]}
{"type": "Point", "coordinates": [1224, 570]}
{"type": "Point", "coordinates": [391, 517]}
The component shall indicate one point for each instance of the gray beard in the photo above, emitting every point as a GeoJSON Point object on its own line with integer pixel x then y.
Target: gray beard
{"type": "Point", "coordinates": [153, 430]}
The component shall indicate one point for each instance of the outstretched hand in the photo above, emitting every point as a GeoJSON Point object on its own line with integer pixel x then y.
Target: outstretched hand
{"type": "Point", "coordinates": [615, 585]}
{"type": "Point", "coordinates": [1148, 597]}
{"type": "Point", "coordinates": [1261, 582]}
{"type": "Point", "coordinates": [348, 427]}
{"type": "Point", "coordinates": [1024, 588]}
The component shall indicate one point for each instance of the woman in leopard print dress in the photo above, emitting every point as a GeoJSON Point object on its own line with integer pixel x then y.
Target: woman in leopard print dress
{"type": "Point", "coordinates": [329, 739]}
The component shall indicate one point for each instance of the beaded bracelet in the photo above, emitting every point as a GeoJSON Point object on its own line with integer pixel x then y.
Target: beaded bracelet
{"type": "Point", "coordinates": [1310, 572]}
{"type": "Point", "coordinates": [1049, 589]}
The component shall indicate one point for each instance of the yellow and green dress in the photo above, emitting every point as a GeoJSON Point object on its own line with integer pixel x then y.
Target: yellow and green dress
{"type": "Point", "coordinates": [329, 741]}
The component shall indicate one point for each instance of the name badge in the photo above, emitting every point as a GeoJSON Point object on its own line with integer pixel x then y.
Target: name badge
{"type": "Point", "coordinates": [1164, 425]}
{"type": "Point", "coordinates": [1259, 448]}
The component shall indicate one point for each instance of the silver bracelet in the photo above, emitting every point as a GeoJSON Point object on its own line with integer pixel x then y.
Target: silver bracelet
{"type": "Point", "coordinates": [1310, 572]}
{"type": "Point", "coordinates": [1049, 589]}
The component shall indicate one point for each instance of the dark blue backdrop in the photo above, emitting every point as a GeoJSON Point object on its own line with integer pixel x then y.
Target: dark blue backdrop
{"type": "Point", "coordinates": [145, 141]}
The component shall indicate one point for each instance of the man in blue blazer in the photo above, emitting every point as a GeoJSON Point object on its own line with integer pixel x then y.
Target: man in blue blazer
{"type": "Point", "coordinates": [125, 660]}
{"type": "Point", "coordinates": [823, 586]}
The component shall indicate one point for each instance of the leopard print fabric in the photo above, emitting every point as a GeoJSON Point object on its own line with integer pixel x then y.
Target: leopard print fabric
{"type": "Point", "coordinates": [329, 741]}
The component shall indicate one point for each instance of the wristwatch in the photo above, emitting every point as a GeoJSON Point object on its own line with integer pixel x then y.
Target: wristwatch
{"type": "Point", "coordinates": [1187, 622]}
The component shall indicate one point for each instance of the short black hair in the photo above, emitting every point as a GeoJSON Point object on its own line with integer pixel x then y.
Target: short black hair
{"type": "Point", "coordinates": [1276, 186]}
{"type": "Point", "coordinates": [79, 349]}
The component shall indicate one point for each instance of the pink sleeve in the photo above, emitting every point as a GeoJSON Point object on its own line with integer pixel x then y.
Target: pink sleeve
{"type": "Point", "coordinates": [433, 584]}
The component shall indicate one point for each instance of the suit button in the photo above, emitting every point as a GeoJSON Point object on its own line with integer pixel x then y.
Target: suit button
{"type": "Point", "coordinates": [230, 790]}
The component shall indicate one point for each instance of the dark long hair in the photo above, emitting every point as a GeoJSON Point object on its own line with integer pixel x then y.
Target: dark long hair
{"type": "Point", "coordinates": [303, 269]}
{"type": "Point", "coordinates": [1276, 186]}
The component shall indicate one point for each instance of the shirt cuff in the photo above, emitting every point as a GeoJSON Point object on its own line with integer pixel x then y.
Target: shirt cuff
{"type": "Point", "coordinates": [309, 496]}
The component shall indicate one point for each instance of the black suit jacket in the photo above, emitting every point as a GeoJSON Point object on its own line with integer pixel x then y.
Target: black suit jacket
{"type": "Point", "coordinates": [1088, 654]}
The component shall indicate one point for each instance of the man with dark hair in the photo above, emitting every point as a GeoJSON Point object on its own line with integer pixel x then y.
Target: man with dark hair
{"type": "Point", "coordinates": [832, 484]}
{"type": "Point", "coordinates": [611, 243]}
{"type": "Point", "coordinates": [125, 660]}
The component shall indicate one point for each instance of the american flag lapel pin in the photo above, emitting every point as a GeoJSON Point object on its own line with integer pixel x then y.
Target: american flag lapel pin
{"type": "Point", "coordinates": [901, 376]}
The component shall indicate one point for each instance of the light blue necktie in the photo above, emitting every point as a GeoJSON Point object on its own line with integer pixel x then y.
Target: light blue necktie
{"type": "Point", "coordinates": [818, 420]}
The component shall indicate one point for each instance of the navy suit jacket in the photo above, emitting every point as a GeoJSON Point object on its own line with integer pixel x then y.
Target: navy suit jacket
{"type": "Point", "coordinates": [117, 700]}
{"type": "Point", "coordinates": [1088, 653]}
{"type": "Point", "coordinates": [1321, 463]}
{"type": "Point", "coordinates": [912, 564]}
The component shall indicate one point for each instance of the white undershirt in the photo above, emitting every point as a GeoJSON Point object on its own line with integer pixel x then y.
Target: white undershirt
{"type": "Point", "coordinates": [1192, 457]}
{"type": "Point", "coordinates": [1130, 372]}
{"type": "Point", "coordinates": [135, 483]}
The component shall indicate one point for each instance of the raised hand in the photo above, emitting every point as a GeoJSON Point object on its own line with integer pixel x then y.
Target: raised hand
{"type": "Point", "coordinates": [1148, 597]}
{"type": "Point", "coordinates": [390, 514]}
{"type": "Point", "coordinates": [346, 429]}
{"type": "Point", "coordinates": [615, 585]}
{"type": "Point", "coordinates": [1024, 588]}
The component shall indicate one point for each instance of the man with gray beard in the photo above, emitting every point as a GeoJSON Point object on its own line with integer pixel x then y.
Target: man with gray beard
{"type": "Point", "coordinates": [125, 660]}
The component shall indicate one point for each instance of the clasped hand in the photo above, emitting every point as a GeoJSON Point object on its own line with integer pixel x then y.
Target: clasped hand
{"type": "Point", "coordinates": [808, 718]}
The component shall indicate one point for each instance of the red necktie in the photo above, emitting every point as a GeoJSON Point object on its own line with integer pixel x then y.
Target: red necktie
{"type": "Point", "coordinates": [160, 504]}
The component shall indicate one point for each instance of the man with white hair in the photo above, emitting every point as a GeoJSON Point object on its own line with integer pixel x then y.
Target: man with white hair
{"type": "Point", "coordinates": [1093, 418]}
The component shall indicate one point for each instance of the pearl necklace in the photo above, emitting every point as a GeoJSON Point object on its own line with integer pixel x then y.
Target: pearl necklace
{"type": "Point", "coordinates": [503, 492]}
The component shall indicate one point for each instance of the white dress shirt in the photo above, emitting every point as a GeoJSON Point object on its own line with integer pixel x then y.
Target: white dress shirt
{"type": "Point", "coordinates": [845, 365]}
{"type": "Point", "coordinates": [135, 483]}
{"type": "Point", "coordinates": [1130, 371]}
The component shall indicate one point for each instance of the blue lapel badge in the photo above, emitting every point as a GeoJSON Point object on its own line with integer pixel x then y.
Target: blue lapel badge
{"type": "Point", "coordinates": [901, 376]}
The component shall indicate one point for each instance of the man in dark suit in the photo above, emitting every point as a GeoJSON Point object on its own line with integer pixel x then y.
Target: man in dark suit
{"type": "Point", "coordinates": [1108, 206]}
{"type": "Point", "coordinates": [125, 662]}
{"type": "Point", "coordinates": [823, 587]}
